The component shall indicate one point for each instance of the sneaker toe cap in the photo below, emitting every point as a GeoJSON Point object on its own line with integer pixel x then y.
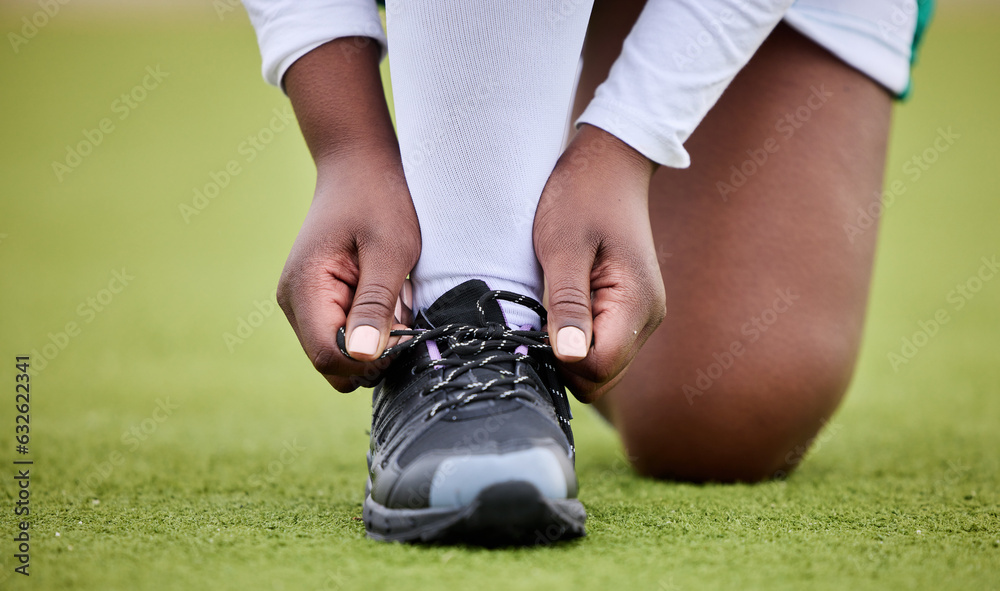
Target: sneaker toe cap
{"type": "Point", "coordinates": [458, 480]}
{"type": "Point", "coordinates": [442, 481]}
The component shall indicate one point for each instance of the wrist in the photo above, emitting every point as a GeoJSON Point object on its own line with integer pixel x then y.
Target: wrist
{"type": "Point", "coordinates": [612, 152]}
{"type": "Point", "coordinates": [354, 156]}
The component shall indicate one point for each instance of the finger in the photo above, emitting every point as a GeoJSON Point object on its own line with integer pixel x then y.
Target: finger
{"type": "Point", "coordinates": [404, 304]}
{"type": "Point", "coordinates": [373, 309]}
{"type": "Point", "coordinates": [614, 345]}
{"type": "Point", "coordinates": [366, 376]}
{"type": "Point", "coordinates": [344, 384]}
{"type": "Point", "coordinates": [314, 303]}
{"type": "Point", "coordinates": [588, 391]}
{"type": "Point", "coordinates": [570, 318]}
{"type": "Point", "coordinates": [625, 315]}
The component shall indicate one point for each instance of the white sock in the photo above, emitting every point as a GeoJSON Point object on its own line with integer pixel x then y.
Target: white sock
{"type": "Point", "coordinates": [482, 92]}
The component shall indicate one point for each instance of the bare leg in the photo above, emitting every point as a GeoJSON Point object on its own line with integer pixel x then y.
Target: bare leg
{"type": "Point", "coordinates": [766, 294]}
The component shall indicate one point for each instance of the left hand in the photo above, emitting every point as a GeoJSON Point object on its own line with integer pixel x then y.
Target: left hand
{"type": "Point", "coordinates": [593, 239]}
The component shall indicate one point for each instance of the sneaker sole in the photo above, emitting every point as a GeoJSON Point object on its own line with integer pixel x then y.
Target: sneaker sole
{"type": "Point", "coordinates": [503, 514]}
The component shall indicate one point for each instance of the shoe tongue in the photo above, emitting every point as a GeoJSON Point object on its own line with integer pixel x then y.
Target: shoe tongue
{"type": "Point", "coordinates": [458, 305]}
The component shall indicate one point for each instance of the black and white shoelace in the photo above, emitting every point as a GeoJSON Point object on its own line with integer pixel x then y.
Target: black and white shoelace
{"type": "Point", "coordinates": [493, 346]}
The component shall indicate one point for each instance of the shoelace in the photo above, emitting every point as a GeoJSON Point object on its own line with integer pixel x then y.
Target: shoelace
{"type": "Point", "coordinates": [464, 340]}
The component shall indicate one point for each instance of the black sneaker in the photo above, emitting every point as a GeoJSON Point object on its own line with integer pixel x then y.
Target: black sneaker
{"type": "Point", "coordinates": [470, 436]}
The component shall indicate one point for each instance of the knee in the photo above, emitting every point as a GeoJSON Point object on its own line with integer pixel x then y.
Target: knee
{"type": "Point", "coordinates": [756, 421]}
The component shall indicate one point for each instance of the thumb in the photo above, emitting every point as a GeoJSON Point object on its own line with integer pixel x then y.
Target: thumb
{"type": "Point", "coordinates": [373, 308]}
{"type": "Point", "coordinates": [570, 317]}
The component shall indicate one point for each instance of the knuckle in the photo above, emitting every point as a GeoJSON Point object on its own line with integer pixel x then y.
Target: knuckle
{"type": "Point", "coordinates": [375, 300]}
{"type": "Point", "coordinates": [344, 385]}
{"type": "Point", "coordinates": [570, 300]}
{"type": "Point", "coordinates": [657, 308]}
{"type": "Point", "coordinates": [326, 361]}
{"type": "Point", "coordinates": [290, 283]}
{"type": "Point", "coordinates": [601, 374]}
{"type": "Point", "coordinates": [659, 315]}
{"type": "Point", "coordinates": [649, 298]}
{"type": "Point", "coordinates": [599, 369]}
{"type": "Point", "coordinates": [351, 384]}
{"type": "Point", "coordinates": [660, 309]}
{"type": "Point", "coordinates": [584, 387]}
{"type": "Point", "coordinates": [284, 296]}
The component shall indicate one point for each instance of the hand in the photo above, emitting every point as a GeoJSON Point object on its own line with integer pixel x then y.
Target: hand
{"type": "Point", "coordinates": [360, 237]}
{"type": "Point", "coordinates": [347, 267]}
{"type": "Point", "coordinates": [592, 237]}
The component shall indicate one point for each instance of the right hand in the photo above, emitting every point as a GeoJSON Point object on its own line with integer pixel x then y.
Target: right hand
{"type": "Point", "coordinates": [358, 242]}
{"type": "Point", "coordinates": [361, 236]}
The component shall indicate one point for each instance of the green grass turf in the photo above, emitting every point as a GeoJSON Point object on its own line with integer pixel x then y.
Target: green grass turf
{"type": "Point", "coordinates": [900, 492]}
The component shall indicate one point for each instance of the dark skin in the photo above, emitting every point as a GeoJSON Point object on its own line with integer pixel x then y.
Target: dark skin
{"type": "Point", "coordinates": [606, 226]}
{"type": "Point", "coordinates": [361, 236]}
{"type": "Point", "coordinates": [724, 260]}
{"type": "Point", "coordinates": [593, 239]}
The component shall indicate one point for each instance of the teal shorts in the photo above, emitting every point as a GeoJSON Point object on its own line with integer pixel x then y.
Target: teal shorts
{"type": "Point", "coordinates": [879, 38]}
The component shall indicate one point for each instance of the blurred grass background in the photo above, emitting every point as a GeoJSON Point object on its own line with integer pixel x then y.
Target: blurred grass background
{"type": "Point", "coordinates": [254, 478]}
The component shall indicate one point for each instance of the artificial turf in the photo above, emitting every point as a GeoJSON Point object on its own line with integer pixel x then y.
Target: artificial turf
{"type": "Point", "coordinates": [250, 474]}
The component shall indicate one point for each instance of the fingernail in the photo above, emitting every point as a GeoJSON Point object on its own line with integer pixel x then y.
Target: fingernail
{"type": "Point", "coordinates": [571, 342]}
{"type": "Point", "coordinates": [407, 294]}
{"type": "Point", "coordinates": [404, 304]}
{"type": "Point", "coordinates": [363, 341]}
